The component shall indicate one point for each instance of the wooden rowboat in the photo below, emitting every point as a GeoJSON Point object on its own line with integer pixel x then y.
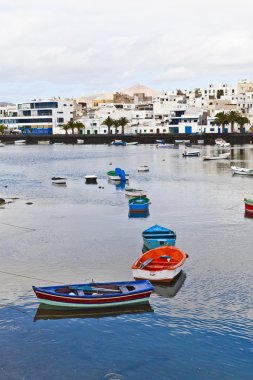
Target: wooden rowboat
{"type": "Point", "coordinates": [160, 264]}
{"type": "Point", "coordinates": [95, 295]}
{"type": "Point", "coordinates": [248, 206]}
{"type": "Point", "coordinates": [138, 204]}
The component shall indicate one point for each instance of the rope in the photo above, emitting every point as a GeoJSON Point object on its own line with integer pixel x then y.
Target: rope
{"type": "Point", "coordinates": [31, 278]}
{"type": "Point", "coordinates": [230, 208]}
{"type": "Point", "coordinates": [24, 228]}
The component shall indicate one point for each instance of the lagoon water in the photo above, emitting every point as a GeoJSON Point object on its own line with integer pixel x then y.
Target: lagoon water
{"type": "Point", "coordinates": [201, 327]}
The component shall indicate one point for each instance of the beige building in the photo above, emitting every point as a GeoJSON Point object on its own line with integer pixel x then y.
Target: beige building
{"type": "Point", "coordinates": [244, 86]}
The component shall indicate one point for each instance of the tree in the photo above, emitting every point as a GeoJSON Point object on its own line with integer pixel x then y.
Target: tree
{"type": "Point", "coordinates": [109, 122]}
{"type": "Point", "coordinates": [222, 119]}
{"type": "Point", "coordinates": [242, 120]}
{"type": "Point", "coordinates": [2, 128]}
{"type": "Point", "coordinates": [233, 117]}
{"type": "Point", "coordinates": [123, 122]}
{"type": "Point", "coordinates": [66, 127]}
{"type": "Point", "coordinates": [116, 125]}
{"type": "Point", "coordinates": [78, 125]}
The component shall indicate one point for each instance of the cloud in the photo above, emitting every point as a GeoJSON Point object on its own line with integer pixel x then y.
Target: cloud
{"type": "Point", "coordinates": [72, 48]}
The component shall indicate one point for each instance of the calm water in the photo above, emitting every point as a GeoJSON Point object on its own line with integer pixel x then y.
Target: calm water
{"type": "Point", "coordinates": [199, 328]}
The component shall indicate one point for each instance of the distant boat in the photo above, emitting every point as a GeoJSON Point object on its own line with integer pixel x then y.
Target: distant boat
{"type": "Point", "coordinates": [167, 146]}
{"type": "Point", "coordinates": [248, 206]}
{"type": "Point", "coordinates": [59, 180]}
{"type": "Point", "coordinates": [20, 142]}
{"type": "Point", "coordinates": [43, 142]}
{"type": "Point", "coordinates": [80, 141]}
{"type": "Point", "coordinates": [143, 168]}
{"type": "Point", "coordinates": [192, 153]}
{"type": "Point", "coordinates": [91, 179]}
{"type": "Point", "coordinates": [138, 204]}
{"type": "Point", "coordinates": [221, 143]}
{"type": "Point", "coordinates": [241, 171]}
{"type": "Point", "coordinates": [159, 265]}
{"type": "Point", "coordinates": [118, 175]}
{"type": "Point", "coordinates": [118, 143]}
{"type": "Point", "coordinates": [200, 142]}
{"type": "Point", "coordinates": [95, 295]}
{"type": "Point", "coordinates": [160, 141]}
{"type": "Point", "coordinates": [223, 156]}
{"type": "Point", "coordinates": [132, 143]}
{"type": "Point", "coordinates": [135, 192]}
{"type": "Point", "coordinates": [157, 236]}
{"type": "Point", "coordinates": [58, 143]}
{"type": "Point", "coordinates": [1, 145]}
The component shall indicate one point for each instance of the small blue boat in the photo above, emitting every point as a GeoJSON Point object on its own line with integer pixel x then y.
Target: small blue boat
{"type": "Point", "coordinates": [157, 236]}
{"type": "Point", "coordinates": [118, 143]}
{"type": "Point", "coordinates": [138, 205]}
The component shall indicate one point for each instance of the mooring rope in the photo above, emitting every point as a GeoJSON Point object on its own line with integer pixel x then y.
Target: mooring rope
{"type": "Point", "coordinates": [24, 228]}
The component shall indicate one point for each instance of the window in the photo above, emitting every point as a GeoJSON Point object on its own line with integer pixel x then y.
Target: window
{"type": "Point", "coordinates": [211, 129]}
{"type": "Point", "coordinates": [145, 131]}
{"type": "Point", "coordinates": [44, 112]}
{"type": "Point", "coordinates": [151, 130]}
{"type": "Point", "coordinates": [164, 130]}
{"type": "Point", "coordinates": [59, 112]}
{"type": "Point", "coordinates": [60, 120]}
{"type": "Point", "coordinates": [44, 105]}
{"type": "Point", "coordinates": [105, 131]}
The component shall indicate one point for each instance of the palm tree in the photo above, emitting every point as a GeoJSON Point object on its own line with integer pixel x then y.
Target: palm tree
{"type": "Point", "coordinates": [2, 128]}
{"type": "Point", "coordinates": [77, 125]}
{"type": "Point", "coordinates": [66, 127]}
{"type": "Point", "coordinates": [242, 120]}
{"type": "Point", "coordinates": [109, 122]}
{"type": "Point", "coordinates": [222, 119]}
{"type": "Point", "coordinates": [123, 122]}
{"type": "Point", "coordinates": [116, 125]}
{"type": "Point", "coordinates": [233, 117]}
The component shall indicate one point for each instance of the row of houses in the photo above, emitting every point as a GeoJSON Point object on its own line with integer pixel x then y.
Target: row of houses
{"type": "Point", "coordinates": [177, 111]}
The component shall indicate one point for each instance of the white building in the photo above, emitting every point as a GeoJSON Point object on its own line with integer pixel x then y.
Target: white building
{"type": "Point", "coordinates": [39, 116]}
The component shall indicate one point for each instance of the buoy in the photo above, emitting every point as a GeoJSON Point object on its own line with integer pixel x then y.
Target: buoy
{"type": "Point", "coordinates": [110, 163]}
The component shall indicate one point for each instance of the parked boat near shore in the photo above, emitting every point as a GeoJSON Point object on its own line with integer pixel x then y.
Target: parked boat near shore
{"type": "Point", "coordinates": [95, 295]}
{"type": "Point", "coordinates": [43, 142]}
{"type": "Point", "coordinates": [130, 192]}
{"type": "Point", "coordinates": [242, 171]}
{"type": "Point", "coordinates": [132, 143]}
{"type": "Point", "coordinates": [248, 206]}
{"type": "Point", "coordinates": [167, 146]}
{"type": "Point", "coordinates": [117, 175]}
{"type": "Point", "coordinates": [80, 141]}
{"type": "Point", "coordinates": [20, 142]}
{"type": "Point", "coordinates": [118, 143]}
{"type": "Point", "coordinates": [159, 265]}
{"type": "Point", "coordinates": [223, 156]}
{"type": "Point", "coordinates": [157, 236]}
{"type": "Point", "coordinates": [191, 153]}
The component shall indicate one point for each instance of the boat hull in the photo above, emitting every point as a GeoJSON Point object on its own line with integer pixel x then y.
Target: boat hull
{"type": "Point", "coordinates": [248, 206]}
{"type": "Point", "coordinates": [156, 243]}
{"type": "Point", "coordinates": [156, 276]}
{"type": "Point", "coordinates": [139, 292]}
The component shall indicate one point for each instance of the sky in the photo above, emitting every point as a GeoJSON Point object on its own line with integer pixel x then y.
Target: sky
{"type": "Point", "coordinates": [73, 48]}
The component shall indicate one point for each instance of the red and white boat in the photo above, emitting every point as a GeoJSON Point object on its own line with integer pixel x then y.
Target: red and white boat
{"type": "Point", "coordinates": [161, 264]}
{"type": "Point", "coordinates": [248, 207]}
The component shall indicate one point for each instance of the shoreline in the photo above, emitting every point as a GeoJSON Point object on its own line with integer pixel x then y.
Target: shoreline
{"type": "Point", "coordinates": [208, 138]}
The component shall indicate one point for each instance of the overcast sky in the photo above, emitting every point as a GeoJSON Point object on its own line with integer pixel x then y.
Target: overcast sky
{"type": "Point", "coordinates": [71, 48]}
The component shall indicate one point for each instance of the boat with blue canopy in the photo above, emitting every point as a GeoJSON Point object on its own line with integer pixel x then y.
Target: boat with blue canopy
{"type": "Point", "coordinates": [157, 236]}
{"type": "Point", "coordinates": [138, 205]}
{"type": "Point", "coordinates": [118, 175]}
{"type": "Point", "coordinates": [95, 295]}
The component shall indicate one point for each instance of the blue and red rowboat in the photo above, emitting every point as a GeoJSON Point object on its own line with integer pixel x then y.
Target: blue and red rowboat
{"type": "Point", "coordinates": [138, 204]}
{"type": "Point", "coordinates": [248, 207]}
{"type": "Point", "coordinates": [95, 295]}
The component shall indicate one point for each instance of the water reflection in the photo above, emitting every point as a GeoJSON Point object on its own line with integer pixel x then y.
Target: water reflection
{"type": "Point", "coordinates": [45, 312]}
{"type": "Point", "coordinates": [144, 214]}
{"type": "Point", "coordinates": [171, 289]}
{"type": "Point", "coordinates": [119, 185]}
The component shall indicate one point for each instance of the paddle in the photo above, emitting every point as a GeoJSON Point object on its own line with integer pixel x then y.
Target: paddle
{"type": "Point", "coordinates": [148, 261]}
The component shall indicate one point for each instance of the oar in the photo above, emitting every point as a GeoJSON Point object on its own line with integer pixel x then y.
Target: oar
{"type": "Point", "coordinates": [148, 261]}
{"type": "Point", "coordinates": [165, 257]}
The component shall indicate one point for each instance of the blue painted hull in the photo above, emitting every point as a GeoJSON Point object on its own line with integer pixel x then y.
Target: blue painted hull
{"type": "Point", "coordinates": [138, 208]}
{"type": "Point", "coordinates": [155, 243]}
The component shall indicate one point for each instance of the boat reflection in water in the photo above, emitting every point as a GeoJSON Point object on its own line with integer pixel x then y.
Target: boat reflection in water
{"type": "Point", "coordinates": [248, 215]}
{"type": "Point", "coordinates": [171, 289]}
{"type": "Point", "coordinates": [118, 185]}
{"type": "Point", "coordinates": [45, 312]}
{"type": "Point", "coordinates": [144, 214]}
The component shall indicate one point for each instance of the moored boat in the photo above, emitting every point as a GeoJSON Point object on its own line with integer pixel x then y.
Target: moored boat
{"type": "Point", "coordinates": [157, 236]}
{"type": "Point", "coordinates": [143, 168]}
{"type": "Point", "coordinates": [167, 146]}
{"type": "Point", "coordinates": [223, 156]}
{"type": "Point", "coordinates": [44, 142]}
{"type": "Point", "coordinates": [248, 206]}
{"type": "Point", "coordinates": [118, 175]}
{"type": "Point", "coordinates": [80, 141]}
{"type": "Point", "coordinates": [160, 264]}
{"type": "Point", "coordinates": [95, 295]}
{"type": "Point", "coordinates": [138, 204]}
{"type": "Point", "coordinates": [59, 180]}
{"type": "Point", "coordinates": [130, 192]}
{"type": "Point", "coordinates": [118, 143]}
{"type": "Point", "coordinates": [192, 153]}
{"type": "Point", "coordinates": [1, 144]}
{"type": "Point", "coordinates": [241, 171]}
{"type": "Point", "coordinates": [20, 142]}
{"type": "Point", "coordinates": [132, 143]}
{"type": "Point", "coordinates": [91, 179]}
